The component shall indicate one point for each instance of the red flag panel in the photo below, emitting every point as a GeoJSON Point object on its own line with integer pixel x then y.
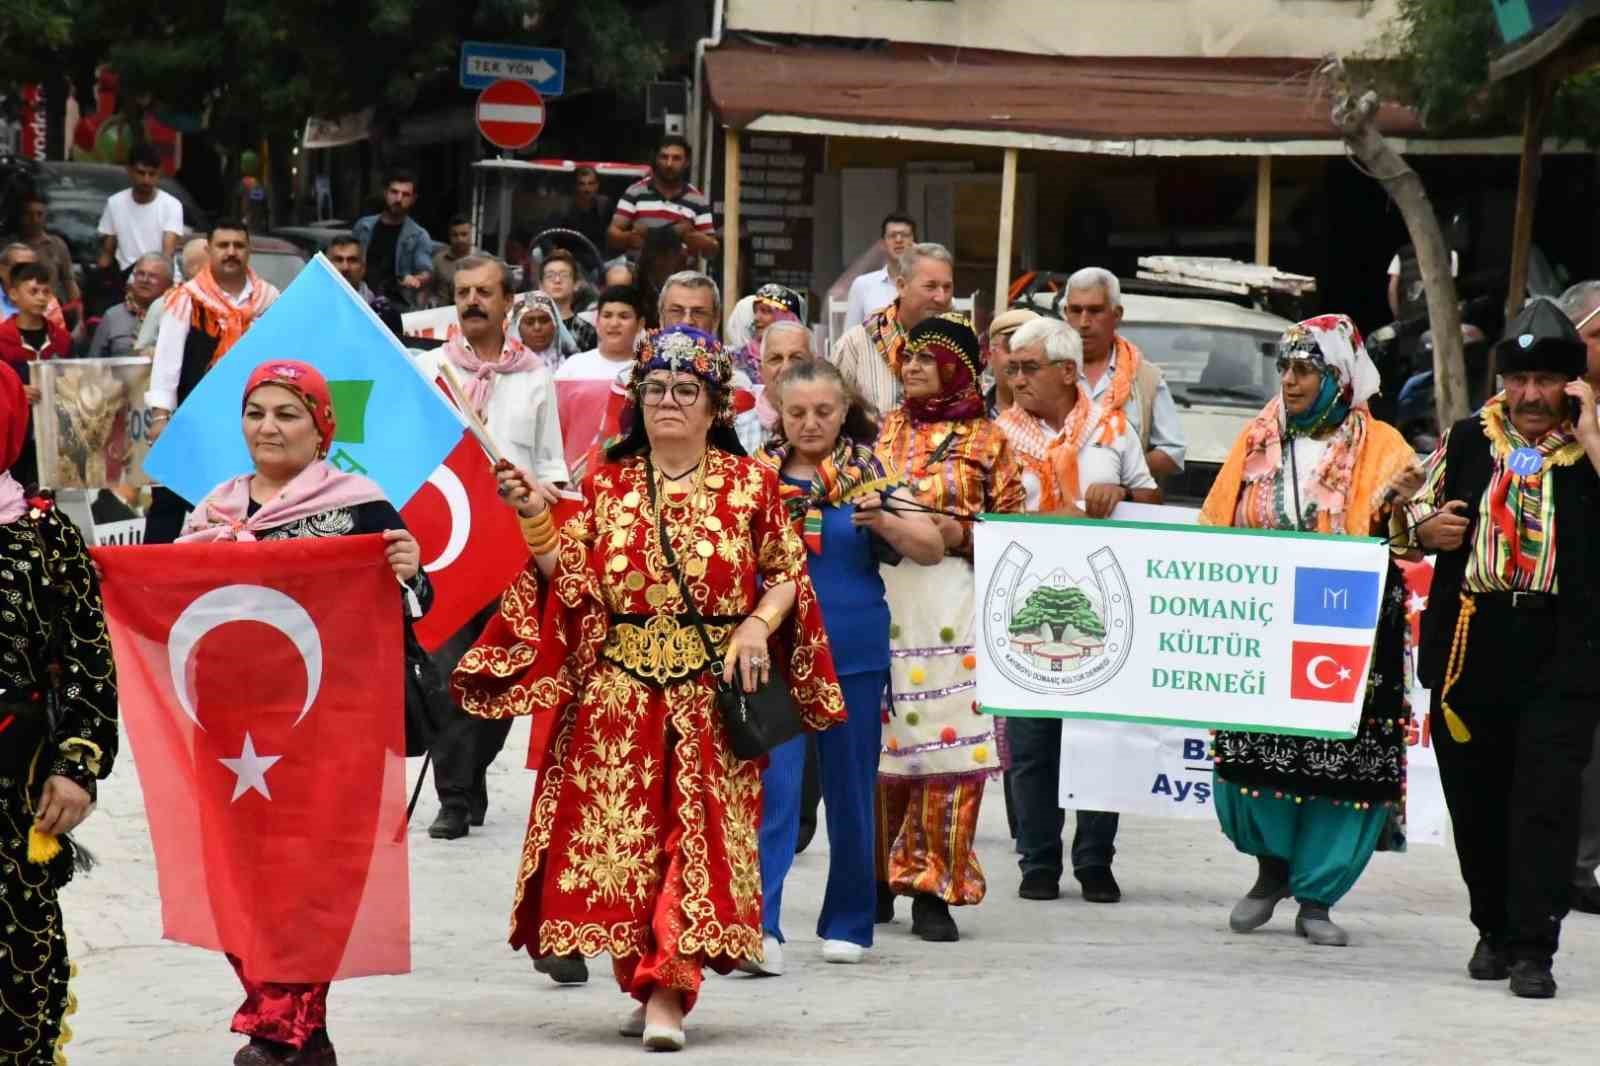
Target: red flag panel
{"type": "Point", "coordinates": [1330, 672]}
{"type": "Point", "coordinates": [262, 689]}
{"type": "Point", "coordinates": [471, 543]}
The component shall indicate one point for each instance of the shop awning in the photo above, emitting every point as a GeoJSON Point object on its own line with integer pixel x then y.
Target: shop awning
{"type": "Point", "coordinates": [1110, 106]}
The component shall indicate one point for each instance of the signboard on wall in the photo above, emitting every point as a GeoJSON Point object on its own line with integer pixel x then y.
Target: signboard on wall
{"type": "Point", "coordinates": [777, 203]}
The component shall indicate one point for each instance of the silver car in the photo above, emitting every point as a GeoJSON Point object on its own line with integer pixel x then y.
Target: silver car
{"type": "Point", "coordinates": [1219, 361]}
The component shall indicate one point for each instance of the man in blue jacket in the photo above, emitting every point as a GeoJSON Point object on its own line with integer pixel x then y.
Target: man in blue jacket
{"type": "Point", "coordinates": [399, 252]}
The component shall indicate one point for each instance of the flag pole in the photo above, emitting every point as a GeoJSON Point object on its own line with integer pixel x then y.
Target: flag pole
{"type": "Point", "coordinates": [474, 423]}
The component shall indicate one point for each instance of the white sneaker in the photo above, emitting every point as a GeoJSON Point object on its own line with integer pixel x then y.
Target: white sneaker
{"type": "Point", "coordinates": [633, 1024]}
{"type": "Point", "coordinates": [842, 951]}
{"type": "Point", "coordinates": [771, 964]}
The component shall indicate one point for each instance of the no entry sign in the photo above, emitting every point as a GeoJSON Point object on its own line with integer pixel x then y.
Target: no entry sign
{"type": "Point", "coordinates": [510, 114]}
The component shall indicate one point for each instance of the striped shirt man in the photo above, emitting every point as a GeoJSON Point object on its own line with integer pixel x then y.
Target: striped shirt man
{"type": "Point", "coordinates": [647, 207]}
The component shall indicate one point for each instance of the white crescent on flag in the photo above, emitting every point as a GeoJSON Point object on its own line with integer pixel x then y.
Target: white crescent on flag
{"type": "Point", "coordinates": [242, 603]}
{"type": "Point", "coordinates": [1311, 670]}
{"type": "Point", "coordinates": [455, 498]}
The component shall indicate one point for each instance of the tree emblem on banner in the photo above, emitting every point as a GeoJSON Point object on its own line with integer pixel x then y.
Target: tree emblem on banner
{"type": "Point", "coordinates": [1055, 633]}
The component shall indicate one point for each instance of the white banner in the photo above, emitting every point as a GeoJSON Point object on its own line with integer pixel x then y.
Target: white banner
{"type": "Point", "coordinates": [433, 322]}
{"type": "Point", "coordinates": [1165, 772]}
{"type": "Point", "coordinates": [1176, 625]}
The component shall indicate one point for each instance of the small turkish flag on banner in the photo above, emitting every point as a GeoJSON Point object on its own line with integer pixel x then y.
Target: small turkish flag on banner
{"type": "Point", "coordinates": [1330, 672]}
{"type": "Point", "coordinates": [471, 543]}
{"type": "Point", "coordinates": [262, 688]}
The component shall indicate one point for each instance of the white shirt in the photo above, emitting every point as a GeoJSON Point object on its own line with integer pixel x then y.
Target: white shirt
{"type": "Point", "coordinates": [520, 416]}
{"type": "Point", "coordinates": [171, 336]}
{"type": "Point", "coordinates": [1121, 462]}
{"type": "Point", "coordinates": [1455, 263]}
{"type": "Point", "coordinates": [869, 293]}
{"type": "Point", "coordinates": [1166, 431]}
{"type": "Point", "coordinates": [139, 228]}
{"type": "Point", "coordinates": [592, 366]}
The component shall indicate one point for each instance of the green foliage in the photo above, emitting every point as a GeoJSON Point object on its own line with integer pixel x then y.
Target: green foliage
{"type": "Point", "coordinates": [1059, 608]}
{"type": "Point", "coordinates": [259, 69]}
{"type": "Point", "coordinates": [1441, 67]}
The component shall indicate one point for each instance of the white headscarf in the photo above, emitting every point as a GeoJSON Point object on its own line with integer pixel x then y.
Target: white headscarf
{"type": "Point", "coordinates": [1335, 341]}
{"type": "Point", "coordinates": [561, 343]}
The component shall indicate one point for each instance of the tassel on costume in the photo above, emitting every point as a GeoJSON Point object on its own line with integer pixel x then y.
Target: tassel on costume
{"type": "Point", "coordinates": [1452, 672]}
{"type": "Point", "coordinates": [42, 847]}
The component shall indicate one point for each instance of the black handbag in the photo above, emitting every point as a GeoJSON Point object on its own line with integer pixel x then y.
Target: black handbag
{"type": "Point", "coordinates": [754, 722]}
{"type": "Point", "coordinates": [428, 705]}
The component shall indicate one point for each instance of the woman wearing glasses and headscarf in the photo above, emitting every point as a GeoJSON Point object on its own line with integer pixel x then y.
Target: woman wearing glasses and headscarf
{"type": "Point", "coordinates": [1313, 811]}
{"type": "Point", "coordinates": [642, 839]}
{"type": "Point", "coordinates": [937, 749]}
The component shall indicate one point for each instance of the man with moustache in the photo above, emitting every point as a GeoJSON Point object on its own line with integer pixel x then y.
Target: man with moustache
{"type": "Point", "coordinates": [516, 398]}
{"type": "Point", "coordinates": [203, 318]}
{"type": "Point", "coordinates": [869, 356]}
{"type": "Point", "coordinates": [665, 198]}
{"type": "Point", "coordinates": [1511, 506]}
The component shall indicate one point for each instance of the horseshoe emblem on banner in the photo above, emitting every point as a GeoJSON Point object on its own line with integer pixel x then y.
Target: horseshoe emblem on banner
{"type": "Point", "coordinates": [1058, 668]}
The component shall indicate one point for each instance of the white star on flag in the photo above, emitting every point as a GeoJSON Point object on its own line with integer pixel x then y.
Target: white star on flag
{"type": "Point", "coordinates": [1344, 675]}
{"type": "Point", "coordinates": [250, 769]}
{"type": "Point", "coordinates": [1417, 604]}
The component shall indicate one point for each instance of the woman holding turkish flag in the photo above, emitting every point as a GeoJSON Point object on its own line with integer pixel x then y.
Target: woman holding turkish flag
{"type": "Point", "coordinates": [58, 736]}
{"type": "Point", "coordinates": [1313, 811]}
{"type": "Point", "coordinates": [642, 838]}
{"type": "Point", "coordinates": [294, 492]}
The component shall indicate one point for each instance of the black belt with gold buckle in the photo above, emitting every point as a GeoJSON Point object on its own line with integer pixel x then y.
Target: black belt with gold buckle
{"type": "Point", "coordinates": [1519, 600]}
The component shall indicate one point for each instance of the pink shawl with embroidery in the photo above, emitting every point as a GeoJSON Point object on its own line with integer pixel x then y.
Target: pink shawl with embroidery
{"type": "Point", "coordinates": [320, 487]}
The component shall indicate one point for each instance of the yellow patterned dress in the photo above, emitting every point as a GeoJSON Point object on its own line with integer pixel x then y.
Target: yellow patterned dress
{"type": "Point", "coordinates": [642, 837]}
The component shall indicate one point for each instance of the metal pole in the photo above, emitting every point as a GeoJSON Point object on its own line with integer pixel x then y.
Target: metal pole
{"type": "Point", "coordinates": [730, 219]}
{"type": "Point", "coordinates": [1264, 210]}
{"type": "Point", "coordinates": [1008, 216]}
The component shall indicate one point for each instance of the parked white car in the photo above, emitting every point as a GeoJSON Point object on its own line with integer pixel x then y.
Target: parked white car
{"type": "Point", "coordinates": [1219, 361]}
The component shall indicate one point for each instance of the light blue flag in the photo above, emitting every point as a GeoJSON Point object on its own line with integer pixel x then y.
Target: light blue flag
{"type": "Point", "coordinates": [393, 425]}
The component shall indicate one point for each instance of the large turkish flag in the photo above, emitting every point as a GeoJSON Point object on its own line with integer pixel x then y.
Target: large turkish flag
{"type": "Point", "coordinates": [262, 688]}
{"type": "Point", "coordinates": [471, 543]}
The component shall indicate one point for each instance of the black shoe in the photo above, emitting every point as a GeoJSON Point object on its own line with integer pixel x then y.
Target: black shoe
{"type": "Point", "coordinates": [1586, 899]}
{"type": "Point", "coordinates": [451, 824]}
{"type": "Point", "coordinates": [930, 919]}
{"type": "Point", "coordinates": [478, 808]}
{"type": "Point", "coordinates": [563, 969]}
{"type": "Point", "coordinates": [1098, 885]}
{"type": "Point", "coordinates": [1532, 980]}
{"type": "Point", "coordinates": [808, 830]}
{"type": "Point", "coordinates": [1488, 962]}
{"type": "Point", "coordinates": [885, 912]}
{"type": "Point", "coordinates": [1039, 886]}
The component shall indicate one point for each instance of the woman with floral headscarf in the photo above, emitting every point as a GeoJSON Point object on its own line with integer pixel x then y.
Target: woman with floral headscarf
{"type": "Point", "coordinates": [288, 422]}
{"type": "Point", "coordinates": [1312, 811]}
{"type": "Point", "coordinates": [772, 303]}
{"type": "Point", "coordinates": [642, 838]}
{"type": "Point", "coordinates": [535, 320]}
{"type": "Point", "coordinates": [937, 752]}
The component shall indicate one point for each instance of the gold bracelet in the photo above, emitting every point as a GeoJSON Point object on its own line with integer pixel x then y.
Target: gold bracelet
{"type": "Point", "coordinates": [769, 615]}
{"type": "Point", "coordinates": [537, 529]}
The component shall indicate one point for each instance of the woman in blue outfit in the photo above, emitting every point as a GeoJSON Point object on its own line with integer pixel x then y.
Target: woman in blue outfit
{"type": "Point", "coordinates": [836, 492]}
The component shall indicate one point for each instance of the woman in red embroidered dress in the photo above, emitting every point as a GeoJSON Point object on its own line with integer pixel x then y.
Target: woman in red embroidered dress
{"type": "Point", "coordinates": [642, 838]}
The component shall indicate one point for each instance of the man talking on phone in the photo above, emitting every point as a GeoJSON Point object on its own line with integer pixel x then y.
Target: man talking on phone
{"type": "Point", "coordinates": [1511, 504]}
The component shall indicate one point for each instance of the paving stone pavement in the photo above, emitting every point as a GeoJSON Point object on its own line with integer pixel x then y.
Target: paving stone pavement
{"type": "Point", "coordinates": [1157, 979]}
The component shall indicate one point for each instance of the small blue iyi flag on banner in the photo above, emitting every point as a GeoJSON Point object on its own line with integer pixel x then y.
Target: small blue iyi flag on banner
{"type": "Point", "coordinates": [1347, 599]}
{"type": "Point", "coordinates": [393, 425]}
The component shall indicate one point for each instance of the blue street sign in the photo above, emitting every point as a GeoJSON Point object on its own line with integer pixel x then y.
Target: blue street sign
{"type": "Point", "coordinates": [483, 64]}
